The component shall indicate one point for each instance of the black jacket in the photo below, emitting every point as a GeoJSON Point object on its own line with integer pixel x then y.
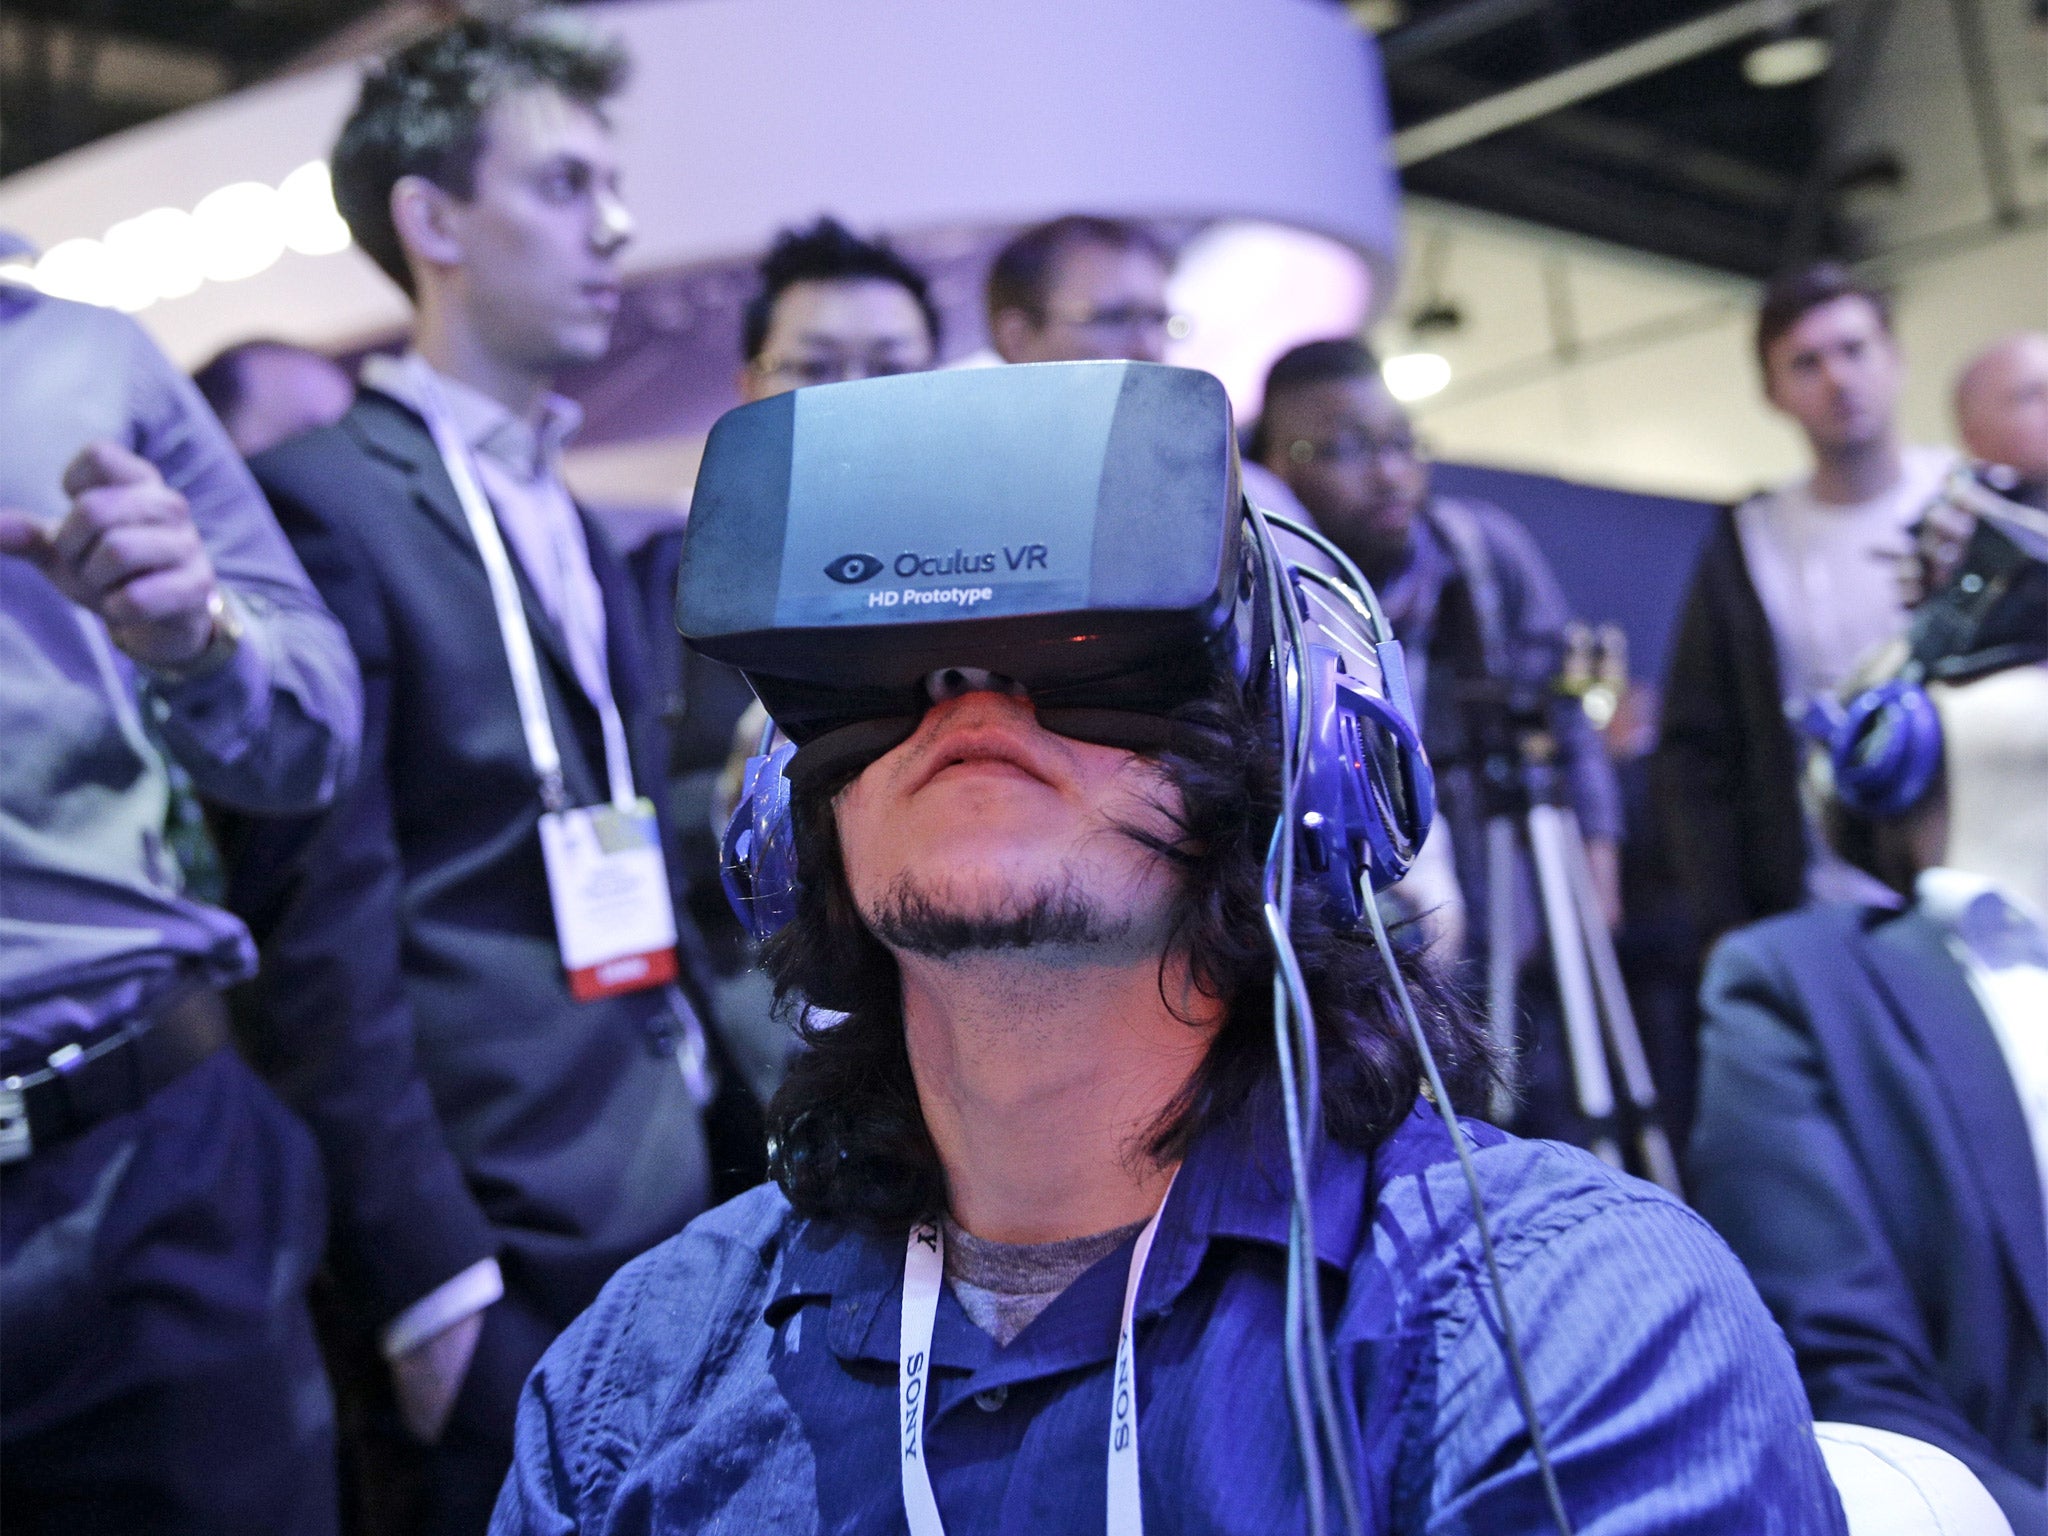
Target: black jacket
{"type": "Point", "coordinates": [1726, 774]}
{"type": "Point", "coordinates": [1862, 1147]}
{"type": "Point", "coordinates": [412, 1002]}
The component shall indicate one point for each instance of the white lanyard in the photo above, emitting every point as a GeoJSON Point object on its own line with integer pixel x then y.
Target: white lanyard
{"type": "Point", "coordinates": [924, 1271]}
{"type": "Point", "coordinates": [518, 640]}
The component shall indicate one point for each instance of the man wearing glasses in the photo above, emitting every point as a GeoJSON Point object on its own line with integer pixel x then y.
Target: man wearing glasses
{"type": "Point", "coordinates": [1463, 583]}
{"type": "Point", "coordinates": [1086, 289]}
{"type": "Point", "coordinates": [1080, 289]}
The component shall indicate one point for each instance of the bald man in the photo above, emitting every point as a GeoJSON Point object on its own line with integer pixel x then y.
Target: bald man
{"type": "Point", "coordinates": [2002, 404]}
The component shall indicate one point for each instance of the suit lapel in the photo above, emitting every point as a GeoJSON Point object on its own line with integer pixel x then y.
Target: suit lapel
{"type": "Point", "coordinates": [391, 430]}
{"type": "Point", "coordinates": [1937, 1006]}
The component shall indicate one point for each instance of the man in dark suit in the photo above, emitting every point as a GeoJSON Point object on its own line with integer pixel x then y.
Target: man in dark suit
{"type": "Point", "coordinates": [500, 1135]}
{"type": "Point", "coordinates": [1873, 1121]}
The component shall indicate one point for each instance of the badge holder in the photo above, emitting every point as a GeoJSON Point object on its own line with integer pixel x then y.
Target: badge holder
{"type": "Point", "coordinates": [614, 917]}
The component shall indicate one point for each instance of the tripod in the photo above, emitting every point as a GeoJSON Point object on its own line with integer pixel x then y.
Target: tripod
{"type": "Point", "coordinates": [1526, 807]}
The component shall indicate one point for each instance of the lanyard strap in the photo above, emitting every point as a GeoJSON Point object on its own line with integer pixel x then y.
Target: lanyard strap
{"type": "Point", "coordinates": [924, 1271]}
{"type": "Point", "coordinates": [513, 631]}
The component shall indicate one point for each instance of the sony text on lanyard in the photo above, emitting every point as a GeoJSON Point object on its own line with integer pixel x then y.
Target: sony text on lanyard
{"type": "Point", "coordinates": [614, 919]}
{"type": "Point", "coordinates": [924, 1272]}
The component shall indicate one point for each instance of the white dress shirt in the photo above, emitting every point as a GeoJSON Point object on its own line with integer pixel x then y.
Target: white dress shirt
{"type": "Point", "coordinates": [519, 464]}
{"type": "Point", "coordinates": [2003, 949]}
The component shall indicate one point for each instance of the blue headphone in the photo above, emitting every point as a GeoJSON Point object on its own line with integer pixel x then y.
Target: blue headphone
{"type": "Point", "coordinates": [757, 855]}
{"type": "Point", "coordinates": [1365, 798]}
{"type": "Point", "coordinates": [1884, 747]}
{"type": "Point", "coordinates": [1885, 744]}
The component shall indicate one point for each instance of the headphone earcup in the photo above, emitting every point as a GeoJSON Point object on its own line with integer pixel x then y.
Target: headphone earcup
{"type": "Point", "coordinates": [1367, 796]}
{"type": "Point", "coordinates": [757, 855]}
{"type": "Point", "coordinates": [1886, 750]}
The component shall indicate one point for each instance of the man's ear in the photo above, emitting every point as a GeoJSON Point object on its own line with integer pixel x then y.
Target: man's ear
{"type": "Point", "coordinates": [422, 213]}
{"type": "Point", "coordinates": [1010, 333]}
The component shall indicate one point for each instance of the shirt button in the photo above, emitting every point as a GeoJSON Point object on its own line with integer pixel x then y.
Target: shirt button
{"type": "Point", "coordinates": [992, 1399]}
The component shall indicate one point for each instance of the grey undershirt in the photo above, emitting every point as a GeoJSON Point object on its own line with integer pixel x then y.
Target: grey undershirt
{"type": "Point", "coordinates": [1002, 1287]}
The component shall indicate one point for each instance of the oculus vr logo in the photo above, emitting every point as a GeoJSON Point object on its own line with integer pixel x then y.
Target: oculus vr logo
{"type": "Point", "coordinates": [852, 570]}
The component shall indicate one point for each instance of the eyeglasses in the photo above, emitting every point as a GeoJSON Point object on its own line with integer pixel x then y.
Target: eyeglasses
{"type": "Point", "coordinates": [1355, 447]}
{"type": "Point", "coordinates": [1124, 320]}
{"type": "Point", "coordinates": [834, 368]}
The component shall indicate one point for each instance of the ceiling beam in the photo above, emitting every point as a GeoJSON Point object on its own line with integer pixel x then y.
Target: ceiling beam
{"type": "Point", "coordinates": [1980, 76]}
{"type": "Point", "coordinates": [1521, 181]}
{"type": "Point", "coordinates": [1538, 98]}
{"type": "Point", "coordinates": [1860, 32]}
{"type": "Point", "coordinates": [1618, 143]}
{"type": "Point", "coordinates": [1437, 33]}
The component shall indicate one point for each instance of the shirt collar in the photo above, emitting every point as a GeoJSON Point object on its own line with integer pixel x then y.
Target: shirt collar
{"type": "Point", "coordinates": [529, 450]}
{"type": "Point", "coordinates": [1997, 931]}
{"type": "Point", "coordinates": [1232, 1186]}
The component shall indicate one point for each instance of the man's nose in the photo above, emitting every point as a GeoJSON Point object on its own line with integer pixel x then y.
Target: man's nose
{"type": "Point", "coordinates": [957, 682]}
{"type": "Point", "coordinates": [614, 225]}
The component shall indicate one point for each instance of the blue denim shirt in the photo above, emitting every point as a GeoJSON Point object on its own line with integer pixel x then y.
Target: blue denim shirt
{"type": "Point", "coordinates": [742, 1377]}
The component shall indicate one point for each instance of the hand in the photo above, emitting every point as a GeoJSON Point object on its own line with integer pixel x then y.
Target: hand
{"type": "Point", "coordinates": [1939, 540]}
{"type": "Point", "coordinates": [127, 551]}
{"type": "Point", "coordinates": [429, 1376]}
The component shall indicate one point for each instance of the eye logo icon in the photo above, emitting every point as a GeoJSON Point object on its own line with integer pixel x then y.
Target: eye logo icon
{"type": "Point", "coordinates": [852, 570]}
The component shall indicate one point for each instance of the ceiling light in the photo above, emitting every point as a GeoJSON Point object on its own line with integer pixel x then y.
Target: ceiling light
{"type": "Point", "coordinates": [77, 269]}
{"type": "Point", "coordinates": [240, 230]}
{"type": "Point", "coordinates": [1786, 61]}
{"type": "Point", "coordinates": [1376, 15]}
{"type": "Point", "coordinates": [1415, 375]}
{"type": "Point", "coordinates": [159, 256]}
{"type": "Point", "coordinates": [312, 227]}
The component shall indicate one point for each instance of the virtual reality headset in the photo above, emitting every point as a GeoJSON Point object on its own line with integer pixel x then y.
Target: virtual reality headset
{"type": "Point", "coordinates": [1077, 530]}
{"type": "Point", "coordinates": [1075, 527]}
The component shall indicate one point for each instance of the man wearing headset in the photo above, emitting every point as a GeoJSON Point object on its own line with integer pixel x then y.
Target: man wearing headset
{"type": "Point", "coordinates": [1873, 1125]}
{"type": "Point", "coordinates": [1034, 1174]}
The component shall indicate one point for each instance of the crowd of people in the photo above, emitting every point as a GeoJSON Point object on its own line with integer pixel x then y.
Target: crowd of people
{"type": "Point", "coordinates": [326, 1105]}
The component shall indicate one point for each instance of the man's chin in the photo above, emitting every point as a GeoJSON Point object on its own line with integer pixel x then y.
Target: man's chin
{"type": "Point", "coordinates": [577, 346]}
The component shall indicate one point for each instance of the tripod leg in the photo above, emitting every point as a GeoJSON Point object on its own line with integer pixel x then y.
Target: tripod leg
{"type": "Point", "coordinates": [1500, 962]}
{"type": "Point", "coordinates": [1616, 1012]}
{"type": "Point", "coordinates": [1575, 995]}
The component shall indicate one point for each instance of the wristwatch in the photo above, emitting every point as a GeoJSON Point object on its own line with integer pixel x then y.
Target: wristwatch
{"type": "Point", "coordinates": [222, 641]}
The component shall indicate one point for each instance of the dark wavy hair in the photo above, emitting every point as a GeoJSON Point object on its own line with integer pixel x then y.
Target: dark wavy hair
{"type": "Point", "coordinates": [422, 111]}
{"type": "Point", "coordinates": [828, 252]}
{"type": "Point", "coordinates": [848, 1139]}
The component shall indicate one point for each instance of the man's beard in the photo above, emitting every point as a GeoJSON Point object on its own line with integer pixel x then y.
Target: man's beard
{"type": "Point", "coordinates": [1053, 917]}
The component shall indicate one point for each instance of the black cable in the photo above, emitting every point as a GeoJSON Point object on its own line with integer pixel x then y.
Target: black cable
{"type": "Point", "coordinates": [1283, 947]}
{"type": "Point", "coordinates": [1302, 1105]}
{"type": "Point", "coordinates": [1511, 1344]}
